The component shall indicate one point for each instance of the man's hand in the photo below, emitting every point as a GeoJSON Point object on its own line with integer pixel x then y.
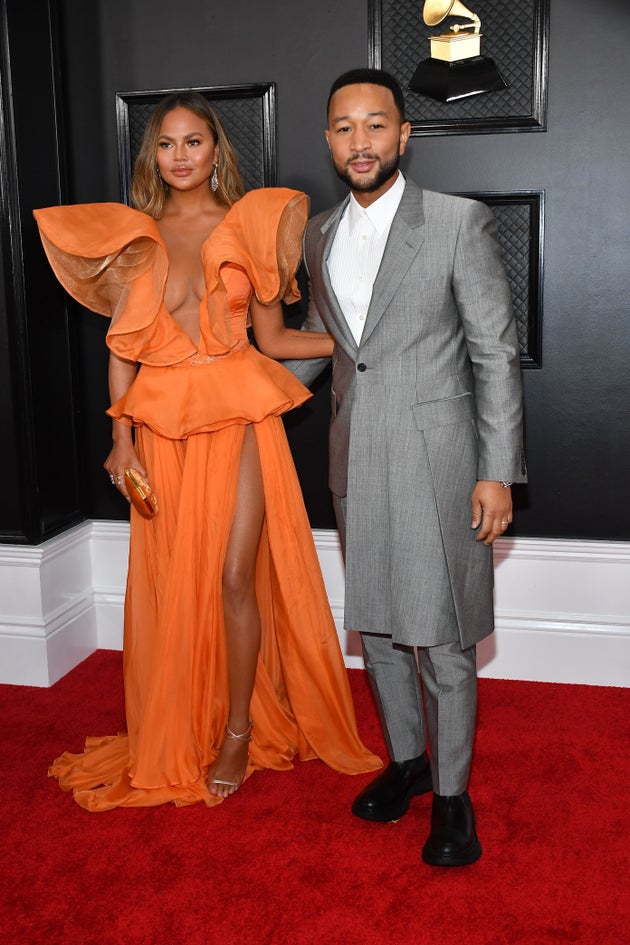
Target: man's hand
{"type": "Point", "coordinates": [491, 509]}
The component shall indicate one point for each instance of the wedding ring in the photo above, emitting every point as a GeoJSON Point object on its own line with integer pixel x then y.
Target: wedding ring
{"type": "Point", "coordinates": [111, 479]}
{"type": "Point", "coordinates": [505, 523]}
{"type": "Point", "coordinates": [118, 480]}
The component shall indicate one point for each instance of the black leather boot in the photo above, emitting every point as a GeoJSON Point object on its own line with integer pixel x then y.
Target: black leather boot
{"type": "Point", "coordinates": [453, 840]}
{"type": "Point", "coordinates": [388, 796]}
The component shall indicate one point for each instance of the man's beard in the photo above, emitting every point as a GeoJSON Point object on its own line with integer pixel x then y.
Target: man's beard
{"type": "Point", "coordinates": [367, 186]}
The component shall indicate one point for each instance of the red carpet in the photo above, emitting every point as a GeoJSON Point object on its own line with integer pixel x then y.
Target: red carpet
{"type": "Point", "coordinates": [285, 863]}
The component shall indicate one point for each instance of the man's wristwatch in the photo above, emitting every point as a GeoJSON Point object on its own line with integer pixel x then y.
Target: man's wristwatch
{"type": "Point", "coordinates": [505, 484]}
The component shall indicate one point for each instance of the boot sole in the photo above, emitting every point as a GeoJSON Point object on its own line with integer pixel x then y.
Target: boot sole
{"type": "Point", "coordinates": [465, 858]}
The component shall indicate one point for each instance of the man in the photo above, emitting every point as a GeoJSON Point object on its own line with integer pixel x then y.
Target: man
{"type": "Point", "coordinates": [425, 442]}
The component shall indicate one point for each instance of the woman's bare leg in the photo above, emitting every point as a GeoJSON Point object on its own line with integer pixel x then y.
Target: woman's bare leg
{"type": "Point", "coordinates": [242, 619]}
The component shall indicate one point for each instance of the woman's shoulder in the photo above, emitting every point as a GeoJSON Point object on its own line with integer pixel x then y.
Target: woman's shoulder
{"type": "Point", "coordinates": [268, 199]}
{"type": "Point", "coordinates": [102, 226]}
{"type": "Point", "coordinates": [262, 234]}
{"type": "Point", "coordinates": [262, 216]}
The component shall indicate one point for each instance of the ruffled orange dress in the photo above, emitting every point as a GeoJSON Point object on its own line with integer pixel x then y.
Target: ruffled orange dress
{"type": "Point", "coordinates": [189, 407]}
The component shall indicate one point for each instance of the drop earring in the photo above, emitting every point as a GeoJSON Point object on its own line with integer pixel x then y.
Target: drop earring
{"type": "Point", "coordinates": [214, 180]}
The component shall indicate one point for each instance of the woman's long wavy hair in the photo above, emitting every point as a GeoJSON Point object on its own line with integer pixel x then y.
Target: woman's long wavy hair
{"type": "Point", "coordinates": [148, 190]}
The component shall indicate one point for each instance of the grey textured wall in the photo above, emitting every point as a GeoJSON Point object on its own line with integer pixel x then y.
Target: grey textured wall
{"type": "Point", "coordinates": [578, 404]}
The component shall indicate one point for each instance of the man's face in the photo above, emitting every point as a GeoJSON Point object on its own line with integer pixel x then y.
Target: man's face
{"type": "Point", "coordinates": [366, 138]}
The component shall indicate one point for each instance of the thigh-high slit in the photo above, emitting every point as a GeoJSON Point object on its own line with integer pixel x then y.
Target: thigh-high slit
{"type": "Point", "coordinates": [175, 660]}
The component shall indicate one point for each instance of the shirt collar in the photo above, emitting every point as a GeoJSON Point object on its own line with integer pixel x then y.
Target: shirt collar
{"type": "Point", "coordinates": [382, 211]}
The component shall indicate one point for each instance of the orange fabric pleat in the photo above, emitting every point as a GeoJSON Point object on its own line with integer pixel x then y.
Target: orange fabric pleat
{"type": "Point", "coordinates": [175, 669]}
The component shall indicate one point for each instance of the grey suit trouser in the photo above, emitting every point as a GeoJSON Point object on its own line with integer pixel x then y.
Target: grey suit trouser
{"type": "Point", "coordinates": [445, 718]}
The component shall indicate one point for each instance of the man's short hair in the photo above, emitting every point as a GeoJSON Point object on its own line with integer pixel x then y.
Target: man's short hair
{"type": "Point", "coordinates": [370, 77]}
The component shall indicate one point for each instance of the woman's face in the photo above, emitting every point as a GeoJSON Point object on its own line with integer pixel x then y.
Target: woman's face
{"type": "Point", "coordinates": [186, 151]}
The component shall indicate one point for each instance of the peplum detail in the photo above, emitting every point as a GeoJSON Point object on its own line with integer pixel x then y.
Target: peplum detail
{"type": "Point", "coordinates": [206, 393]}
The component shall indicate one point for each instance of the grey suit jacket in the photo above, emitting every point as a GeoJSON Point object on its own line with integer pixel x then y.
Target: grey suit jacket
{"type": "Point", "coordinates": [426, 404]}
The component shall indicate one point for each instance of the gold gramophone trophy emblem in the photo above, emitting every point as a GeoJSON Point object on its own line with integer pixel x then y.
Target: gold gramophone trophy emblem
{"type": "Point", "coordinates": [456, 68]}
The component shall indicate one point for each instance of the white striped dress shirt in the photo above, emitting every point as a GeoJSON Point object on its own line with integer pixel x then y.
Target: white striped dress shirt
{"type": "Point", "coordinates": [357, 251]}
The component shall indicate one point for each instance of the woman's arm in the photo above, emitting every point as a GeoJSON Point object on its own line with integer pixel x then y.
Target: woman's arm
{"type": "Point", "coordinates": [123, 452]}
{"type": "Point", "coordinates": [277, 341]}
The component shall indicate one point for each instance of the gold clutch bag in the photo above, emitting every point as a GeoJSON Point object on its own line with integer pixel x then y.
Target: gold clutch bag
{"type": "Point", "coordinates": [142, 496]}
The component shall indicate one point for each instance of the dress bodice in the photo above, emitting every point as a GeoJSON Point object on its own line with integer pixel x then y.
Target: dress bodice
{"type": "Point", "coordinates": [113, 260]}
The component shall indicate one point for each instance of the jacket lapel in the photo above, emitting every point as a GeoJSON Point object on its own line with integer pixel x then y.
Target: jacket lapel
{"type": "Point", "coordinates": [342, 333]}
{"type": "Point", "coordinates": [406, 236]}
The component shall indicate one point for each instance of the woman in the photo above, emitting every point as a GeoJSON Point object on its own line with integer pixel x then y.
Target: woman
{"type": "Point", "coordinates": [231, 659]}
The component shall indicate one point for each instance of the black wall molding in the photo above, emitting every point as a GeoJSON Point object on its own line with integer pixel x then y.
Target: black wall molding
{"type": "Point", "coordinates": [39, 496]}
{"type": "Point", "coordinates": [521, 221]}
{"type": "Point", "coordinates": [514, 35]}
{"type": "Point", "coordinates": [248, 113]}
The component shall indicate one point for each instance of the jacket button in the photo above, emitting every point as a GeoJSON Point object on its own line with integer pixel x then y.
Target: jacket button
{"type": "Point", "coordinates": [361, 367]}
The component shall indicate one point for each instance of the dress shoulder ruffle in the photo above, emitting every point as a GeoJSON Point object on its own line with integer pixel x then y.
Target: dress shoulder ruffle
{"type": "Point", "coordinates": [112, 260]}
{"type": "Point", "coordinates": [262, 234]}
{"type": "Point", "coordinates": [101, 251]}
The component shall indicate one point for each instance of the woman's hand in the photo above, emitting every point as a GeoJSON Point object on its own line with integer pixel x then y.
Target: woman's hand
{"type": "Point", "coordinates": [123, 452]}
{"type": "Point", "coordinates": [122, 456]}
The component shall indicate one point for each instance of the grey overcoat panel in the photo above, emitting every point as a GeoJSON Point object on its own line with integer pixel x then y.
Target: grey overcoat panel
{"type": "Point", "coordinates": [429, 402]}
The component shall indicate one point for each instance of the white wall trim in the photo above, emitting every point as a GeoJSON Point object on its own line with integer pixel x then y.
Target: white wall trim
{"type": "Point", "coordinates": [562, 607]}
{"type": "Point", "coordinates": [47, 615]}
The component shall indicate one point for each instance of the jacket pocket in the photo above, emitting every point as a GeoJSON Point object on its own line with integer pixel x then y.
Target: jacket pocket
{"type": "Point", "coordinates": [441, 413]}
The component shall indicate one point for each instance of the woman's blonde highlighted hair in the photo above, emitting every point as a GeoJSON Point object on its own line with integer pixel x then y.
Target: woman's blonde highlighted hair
{"type": "Point", "coordinates": [148, 190]}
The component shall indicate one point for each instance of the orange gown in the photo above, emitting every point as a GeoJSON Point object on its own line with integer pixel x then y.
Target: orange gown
{"type": "Point", "coordinates": [189, 407]}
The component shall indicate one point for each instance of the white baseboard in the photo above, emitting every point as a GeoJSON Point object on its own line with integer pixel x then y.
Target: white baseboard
{"type": "Point", "coordinates": [562, 607]}
{"type": "Point", "coordinates": [47, 614]}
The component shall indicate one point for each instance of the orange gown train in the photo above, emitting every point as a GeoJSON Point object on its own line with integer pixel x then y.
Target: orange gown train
{"type": "Point", "coordinates": [190, 406]}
